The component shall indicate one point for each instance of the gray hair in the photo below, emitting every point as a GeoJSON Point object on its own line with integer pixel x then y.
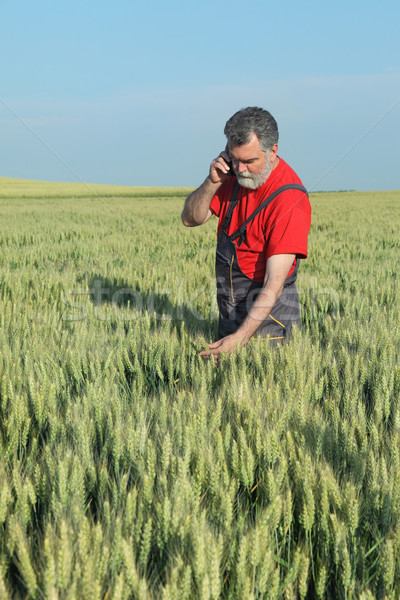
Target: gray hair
{"type": "Point", "coordinates": [241, 126]}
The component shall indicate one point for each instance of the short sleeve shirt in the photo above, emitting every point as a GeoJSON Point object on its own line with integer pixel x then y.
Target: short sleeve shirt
{"type": "Point", "coordinates": [280, 228]}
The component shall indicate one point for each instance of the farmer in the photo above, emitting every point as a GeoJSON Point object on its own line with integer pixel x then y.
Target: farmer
{"type": "Point", "coordinates": [264, 218]}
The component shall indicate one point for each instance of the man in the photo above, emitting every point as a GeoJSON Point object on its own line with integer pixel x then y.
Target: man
{"type": "Point", "coordinates": [264, 219]}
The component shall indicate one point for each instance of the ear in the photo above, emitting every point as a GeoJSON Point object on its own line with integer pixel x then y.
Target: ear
{"type": "Point", "coordinates": [273, 153]}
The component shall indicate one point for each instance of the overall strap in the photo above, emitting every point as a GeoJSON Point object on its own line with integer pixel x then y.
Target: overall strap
{"type": "Point", "coordinates": [232, 203]}
{"type": "Point", "coordinates": [241, 232]}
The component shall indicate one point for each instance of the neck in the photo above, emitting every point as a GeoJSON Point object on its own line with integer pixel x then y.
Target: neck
{"type": "Point", "coordinates": [275, 163]}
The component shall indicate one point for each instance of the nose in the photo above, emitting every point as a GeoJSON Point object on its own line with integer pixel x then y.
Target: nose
{"type": "Point", "coordinates": [239, 166]}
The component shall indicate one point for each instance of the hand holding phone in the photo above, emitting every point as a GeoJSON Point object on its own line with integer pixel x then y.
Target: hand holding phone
{"type": "Point", "coordinates": [221, 167]}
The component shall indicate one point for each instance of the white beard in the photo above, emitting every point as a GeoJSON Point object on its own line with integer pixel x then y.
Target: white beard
{"type": "Point", "coordinates": [252, 181]}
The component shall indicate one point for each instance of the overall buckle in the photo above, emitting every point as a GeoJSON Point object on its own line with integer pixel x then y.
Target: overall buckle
{"type": "Point", "coordinates": [241, 237]}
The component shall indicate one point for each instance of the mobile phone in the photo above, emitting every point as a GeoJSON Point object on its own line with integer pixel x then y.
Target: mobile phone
{"type": "Point", "coordinates": [231, 171]}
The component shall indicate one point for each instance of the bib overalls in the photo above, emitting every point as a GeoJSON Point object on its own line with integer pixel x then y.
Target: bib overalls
{"type": "Point", "coordinates": [236, 292]}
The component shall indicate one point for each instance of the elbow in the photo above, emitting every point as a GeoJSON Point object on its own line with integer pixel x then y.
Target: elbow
{"type": "Point", "coordinates": [185, 220]}
{"type": "Point", "coordinates": [188, 219]}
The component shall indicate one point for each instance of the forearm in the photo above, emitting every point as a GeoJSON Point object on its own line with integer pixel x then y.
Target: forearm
{"type": "Point", "coordinates": [260, 310]}
{"type": "Point", "coordinates": [197, 204]}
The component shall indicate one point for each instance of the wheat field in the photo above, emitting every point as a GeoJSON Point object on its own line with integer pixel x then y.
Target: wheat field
{"type": "Point", "coordinates": [131, 468]}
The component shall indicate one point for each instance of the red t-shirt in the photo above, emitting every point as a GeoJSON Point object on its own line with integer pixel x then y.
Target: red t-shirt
{"type": "Point", "coordinates": [280, 228]}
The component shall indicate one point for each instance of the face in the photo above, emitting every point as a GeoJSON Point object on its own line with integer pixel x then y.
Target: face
{"type": "Point", "coordinates": [251, 164]}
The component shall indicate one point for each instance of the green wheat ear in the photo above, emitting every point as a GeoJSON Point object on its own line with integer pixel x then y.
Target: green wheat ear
{"type": "Point", "coordinates": [199, 344]}
{"type": "Point", "coordinates": [129, 467]}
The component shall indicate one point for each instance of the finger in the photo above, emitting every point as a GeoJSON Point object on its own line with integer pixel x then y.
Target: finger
{"type": "Point", "coordinates": [221, 164]}
{"type": "Point", "coordinates": [214, 357]}
{"type": "Point", "coordinates": [206, 353]}
{"type": "Point", "coordinates": [216, 344]}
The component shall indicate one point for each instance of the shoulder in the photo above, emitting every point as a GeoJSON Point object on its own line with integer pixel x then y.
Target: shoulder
{"type": "Point", "coordinates": [290, 197]}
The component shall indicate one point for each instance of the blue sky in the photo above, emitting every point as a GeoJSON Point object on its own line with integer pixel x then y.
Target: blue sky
{"type": "Point", "coordinates": [137, 93]}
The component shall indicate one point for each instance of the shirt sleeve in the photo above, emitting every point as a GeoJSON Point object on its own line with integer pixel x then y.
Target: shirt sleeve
{"type": "Point", "coordinates": [215, 205]}
{"type": "Point", "coordinates": [222, 196]}
{"type": "Point", "coordinates": [288, 233]}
